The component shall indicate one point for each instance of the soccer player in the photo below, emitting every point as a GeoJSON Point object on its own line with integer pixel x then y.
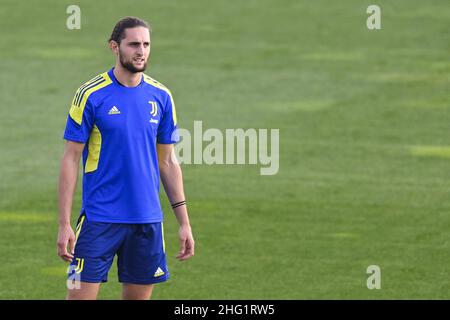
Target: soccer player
{"type": "Point", "coordinates": [123, 123]}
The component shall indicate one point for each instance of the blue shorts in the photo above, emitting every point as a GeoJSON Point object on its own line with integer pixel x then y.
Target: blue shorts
{"type": "Point", "coordinates": [140, 249]}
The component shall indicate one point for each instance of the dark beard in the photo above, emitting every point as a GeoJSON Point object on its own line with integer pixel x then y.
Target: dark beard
{"type": "Point", "coordinates": [130, 67]}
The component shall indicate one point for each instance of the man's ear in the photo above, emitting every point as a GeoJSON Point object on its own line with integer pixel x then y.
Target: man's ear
{"type": "Point", "coordinates": [114, 46]}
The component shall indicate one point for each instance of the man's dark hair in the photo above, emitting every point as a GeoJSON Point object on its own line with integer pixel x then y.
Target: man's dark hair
{"type": "Point", "coordinates": [118, 32]}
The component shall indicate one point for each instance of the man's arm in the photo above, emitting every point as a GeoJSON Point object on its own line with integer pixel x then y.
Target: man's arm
{"type": "Point", "coordinates": [172, 180]}
{"type": "Point", "coordinates": [67, 183]}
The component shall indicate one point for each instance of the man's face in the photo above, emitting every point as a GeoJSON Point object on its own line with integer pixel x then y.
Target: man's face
{"type": "Point", "coordinates": [134, 49]}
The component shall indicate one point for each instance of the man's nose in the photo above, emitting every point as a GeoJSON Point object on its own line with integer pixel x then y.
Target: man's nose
{"type": "Point", "coordinates": [140, 49]}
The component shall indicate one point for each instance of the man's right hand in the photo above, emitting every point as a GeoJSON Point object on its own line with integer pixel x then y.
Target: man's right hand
{"type": "Point", "coordinates": [66, 236]}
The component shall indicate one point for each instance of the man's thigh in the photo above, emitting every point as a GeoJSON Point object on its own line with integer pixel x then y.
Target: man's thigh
{"type": "Point", "coordinates": [131, 291]}
{"type": "Point", "coordinates": [142, 257]}
{"type": "Point", "coordinates": [83, 291]}
{"type": "Point", "coordinates": [95, 248]}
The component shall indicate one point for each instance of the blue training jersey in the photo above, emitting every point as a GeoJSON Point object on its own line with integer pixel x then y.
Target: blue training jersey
{"type": "Point", "coordinates": [120, 127]}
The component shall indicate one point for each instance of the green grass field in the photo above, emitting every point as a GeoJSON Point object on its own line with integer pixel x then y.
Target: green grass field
{"type": "Point", "coordinates": [364, 120]}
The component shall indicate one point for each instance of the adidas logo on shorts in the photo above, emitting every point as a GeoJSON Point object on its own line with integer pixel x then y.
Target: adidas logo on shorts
{"type": "Point", "coordinates": [158, 272]}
